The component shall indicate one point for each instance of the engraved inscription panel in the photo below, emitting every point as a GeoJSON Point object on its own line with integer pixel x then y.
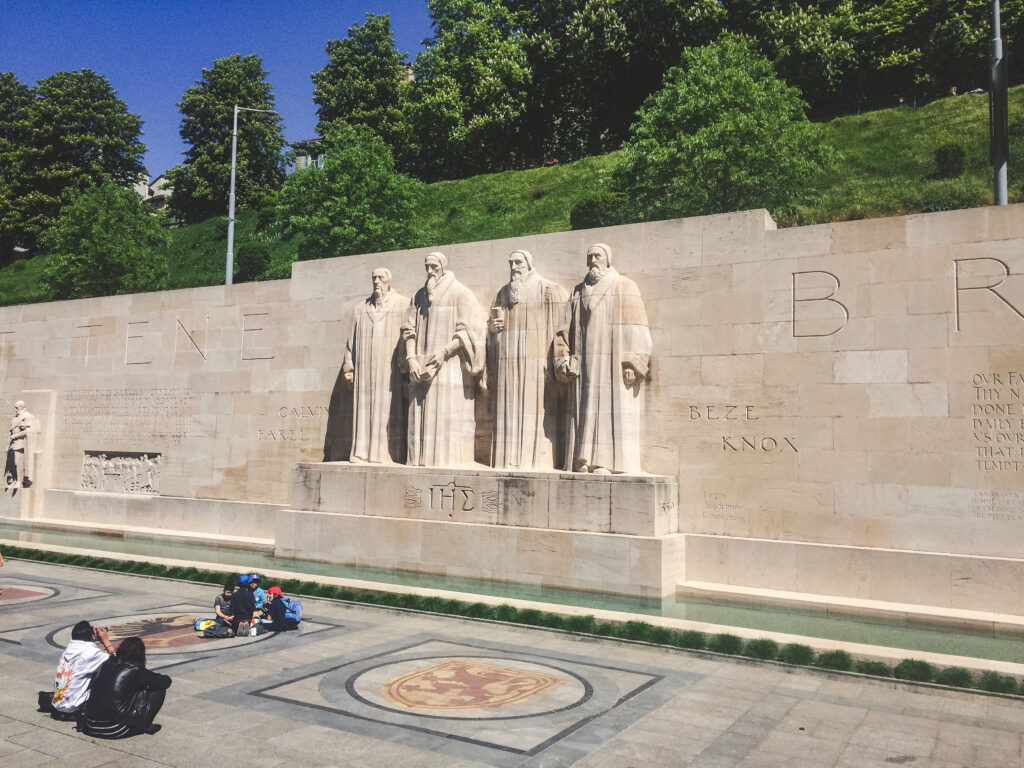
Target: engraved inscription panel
{"type": "Point", "coordinates": [125, 415]}
{"type": "Point", "coordinates": [997, 421]}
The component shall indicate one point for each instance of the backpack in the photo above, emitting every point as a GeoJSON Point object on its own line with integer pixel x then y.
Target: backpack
{"type": "Point", "coordinates": [292, 610]}
{"type": "Point", "coordinates": [203, 624]}
{"type": "Point", "coordinates": [217, 630]}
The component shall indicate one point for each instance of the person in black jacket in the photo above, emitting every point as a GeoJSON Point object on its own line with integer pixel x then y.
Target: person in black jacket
{"type": "Point", "coordinates": [243, 603]}
{"type": "Point", "coordinates": [126, 696]}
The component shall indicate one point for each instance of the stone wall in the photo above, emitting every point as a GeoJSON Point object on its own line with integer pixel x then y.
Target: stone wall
{"type": "Point", "coordinates": [844, 388]}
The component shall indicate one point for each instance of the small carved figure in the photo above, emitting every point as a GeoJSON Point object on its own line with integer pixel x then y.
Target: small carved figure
{"type": "Point", "coordinates": [372, 369]}
{"type": "Point", "coordinates": [525, 315]}
{"type": "Point", "coordinates": [603, 350]}
{"type": "Point", "coordinates": [444, 335]}
{"type": "Point", "coordinates": [21, 448]}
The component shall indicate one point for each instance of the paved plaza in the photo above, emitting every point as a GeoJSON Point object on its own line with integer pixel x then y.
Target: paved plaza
{"type": "Point", "coordinates": [363, 686]}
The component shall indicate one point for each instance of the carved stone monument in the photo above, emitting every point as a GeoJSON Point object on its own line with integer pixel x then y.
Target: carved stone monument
{"type": "Point", "coordinates": [444, 350]}
{"type": "Point", "coordinates": [20, 469]}
{"type": "Point", "coordinates": [373, 370]}
{"type": "Point", "coordinates": [603, 350]}
{"type": "Point", "coordinates": [528, 404]}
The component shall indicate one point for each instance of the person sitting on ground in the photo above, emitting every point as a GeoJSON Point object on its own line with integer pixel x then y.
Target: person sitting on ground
{"type": "Point", "coordinates": [258, 593]}
{"type": "Point", "coordinates": [126, 697]}
{"type": "Point", "coordinates": [243, 604]}
{"type": "Point", "coordinates": [275, 610]}
{"type": "Point", "coordinates": [78, 666]}
{"type": "Point", "coordinates": [222, 605]}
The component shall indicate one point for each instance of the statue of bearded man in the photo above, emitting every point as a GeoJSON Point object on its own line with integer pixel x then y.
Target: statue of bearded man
{"type": "Point", "coordinates": [603, 350]}
{"type": "Point", "coordinates": [372, 369]}
{"type": "Point", "coordinates": [444, 336]}
{"type": "Point", "coordinates": [528, 408]}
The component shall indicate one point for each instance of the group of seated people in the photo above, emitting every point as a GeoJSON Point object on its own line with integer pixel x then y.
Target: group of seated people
{"type": "Point", "coordinates": [109, 692]}
{"type": "Point", "coordinates": [250, 606]}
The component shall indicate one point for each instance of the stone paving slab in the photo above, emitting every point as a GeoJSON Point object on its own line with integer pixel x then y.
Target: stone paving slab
{"type": "Point", "coordinates": [362, 686]}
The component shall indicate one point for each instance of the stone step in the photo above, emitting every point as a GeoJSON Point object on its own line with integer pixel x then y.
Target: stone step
{"type": "Point", "coordinates": [250, 543]}
{"type": "Point", "coordinates": [908, 614]}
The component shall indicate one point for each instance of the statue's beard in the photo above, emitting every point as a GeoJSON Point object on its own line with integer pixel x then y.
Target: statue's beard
{"type": "Point", "coordinates": [595, 274]}
{"type": "Point", "coordinates": [432, 284]}
{"type": "Point", "coordinates": [516, 280]}
{"type": "Point", "coordinates": [378, 295]}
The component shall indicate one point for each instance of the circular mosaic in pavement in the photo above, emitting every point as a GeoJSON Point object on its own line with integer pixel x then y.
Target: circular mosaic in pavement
{"type": "Point", "coordinates": [468, 687]}
{"type": "Point", "coordinates": [10, 595]}
{"type": "Point", "coordinates": [161, 632]}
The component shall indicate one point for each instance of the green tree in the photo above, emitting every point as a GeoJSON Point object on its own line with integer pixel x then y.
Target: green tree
{"type": "Point", "coordinates": [811, 44]}
{"type": "Point", "coordinates": [723, 134]}
{"type": "Point", "coordinates": [74, 133]}
{"type": "Point", "coordinates": [202, 183]}
{"type": "Point", "coordinates": [470, 89]}
{"type": "Point", "coordinates": [365, 83]}
{"type": "Point", "coordinates": [106, 241]}
{"type": "Point", "coordinates": [356, 203]}
{"type": "Point", "coordinates": [15, 99]}
{"type": "Point", "coordinates": [595, 61]}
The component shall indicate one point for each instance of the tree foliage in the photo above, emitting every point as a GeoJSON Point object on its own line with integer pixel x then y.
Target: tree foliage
{"type": "Point", "coordinates": [470, 89]}
{"type": "Point", "coordinates": [15, 99]}
{"type": "Point", "coordinates": [723, 134]}
{"type": "Point", "coordinates": [202, 183]}
{"type": "Point", "coordinates": [106, 241]}
{"type": "Point", "coordinates": [73, 132]}
{"type": "Point", "coordinates": [356, 203]}
{"type": "Point", "coordinates": [365, 83]}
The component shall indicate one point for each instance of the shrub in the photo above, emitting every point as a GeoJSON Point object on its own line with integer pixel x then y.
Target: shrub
{"type": "Point", "coordinates": [505, 612]}
{"type": "Point", "coordinates": [761, 648]}
{"type": "Point", "coordinates": [949, 159]}
{"type": "Point", "coordinates": [915, 670]}
{"type": "Point", "coordinates": [794, 653]}
{"type": "Point", "coordinates": [725, 643]}
{"type": "Point", "coordinates": [252, 259]}
{"type": "Point", "coordinates": [955, 676]}
{"type": "Point", "coordinates": [660, 635]}
{"type": "Point", "coordinates": [603, 210]}
{"type": "Point", "coordinates": [587, 624]}
{"type": "Point", "coordinates": [996, 683]}
{"type": "Point", "coordinates": [876, 668]}
{"type": "Point", "coordinates": [636, 630]}
{"type": "Point", "coordinates": [690, 639]}
{"type": "Point", "coordinates": [840, 660]}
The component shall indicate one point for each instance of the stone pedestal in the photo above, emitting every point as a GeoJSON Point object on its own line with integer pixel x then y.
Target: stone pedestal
{"type": "Point", "coordinates": [614, 533]}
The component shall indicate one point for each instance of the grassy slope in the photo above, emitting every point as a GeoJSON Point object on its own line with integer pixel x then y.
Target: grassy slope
{"type": "Point", "coordinates": [887, 167]}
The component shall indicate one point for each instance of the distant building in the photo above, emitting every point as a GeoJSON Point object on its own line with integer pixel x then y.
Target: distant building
{"type": "Point", "coordinates": [155, 193]}
{"type": "Point", "coordinates": [308, 154]}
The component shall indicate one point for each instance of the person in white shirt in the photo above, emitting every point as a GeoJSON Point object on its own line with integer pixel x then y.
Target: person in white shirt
{"type": "Point", "coordinates": [78, 665]}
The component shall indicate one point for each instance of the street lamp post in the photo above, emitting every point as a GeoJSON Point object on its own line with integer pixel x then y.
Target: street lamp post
{"type": "Point", "coordinates": [229, 265]}
{"type": "Point", "coordinates": [998, 112]}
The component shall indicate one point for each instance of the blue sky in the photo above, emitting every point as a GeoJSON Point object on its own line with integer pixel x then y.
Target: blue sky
{"type": "Point", "coordinates": [151, 51]}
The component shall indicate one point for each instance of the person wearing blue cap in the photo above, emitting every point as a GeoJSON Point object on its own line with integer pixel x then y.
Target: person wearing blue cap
{"type": "Point", "coordinates": [243, 604]}
{"type": "Point", "coordinates": [259, 594]}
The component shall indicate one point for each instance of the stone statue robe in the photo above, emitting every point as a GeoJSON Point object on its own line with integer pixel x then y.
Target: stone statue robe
{"type": "Point", "coordinates": [21, 449]}
{"type": "Point", "coordinates": [378, 421]}
{"type": "Point", "coordinates": [528, 412]}
{"type": "Point", "coordinates": [442, 425]}
{"type": "Point", "coordinates": [605, 328]}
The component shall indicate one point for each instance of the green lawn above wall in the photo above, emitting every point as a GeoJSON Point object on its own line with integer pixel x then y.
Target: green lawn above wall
{"type": "Point", "coordinates": [887, 167]}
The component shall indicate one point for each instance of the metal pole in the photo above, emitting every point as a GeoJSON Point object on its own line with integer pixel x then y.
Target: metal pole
{"type": "Point", "coordinates": [229, 265]}
{"type": "Point", "coordinates": [229, 262]}
{"type": "Point", "coordinates": [998, 112]}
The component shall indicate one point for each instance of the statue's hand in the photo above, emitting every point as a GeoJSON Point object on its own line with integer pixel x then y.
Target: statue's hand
{"type": "Point", "coordinates": [433, 366]}
{"type": "Point", "coordinates": [415, 372]}
{"type": "Point", "coordinates": [497, 324]}
{"type": "Point", "coordinates": [349, 378]}
{"type": "Point", "coordinates": [628, 376]}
